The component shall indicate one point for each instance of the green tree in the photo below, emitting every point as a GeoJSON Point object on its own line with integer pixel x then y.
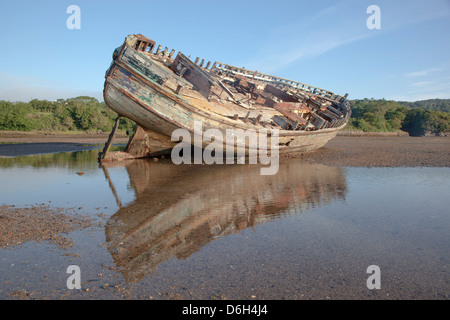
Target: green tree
{"type": "Point", "coordinates": [414, 122]}
{"type": "Point", "coordinates": [395, 117]}
{"type": "Point", "coordinates": [15, 116]}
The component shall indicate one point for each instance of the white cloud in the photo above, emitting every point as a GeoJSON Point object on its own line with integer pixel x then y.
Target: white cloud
{"type": "Point", "coordinates": [339, 25]}
{"type": "Point", "coordinates": [310, 36]}
{"type": "Point", "coordinates": [423, 72]}
{"type": "Point", "coordinates": [422, 83]}
{"type": "Point", "coordinates": [438, 88]}
{"type": "Point", "coordinates": [431, 83]}
{"type": "Point", "coordinates": [419, 96]}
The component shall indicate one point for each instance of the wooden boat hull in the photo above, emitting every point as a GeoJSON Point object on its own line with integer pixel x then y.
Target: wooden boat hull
{"type": "Point", "coordinates": [136, 88]}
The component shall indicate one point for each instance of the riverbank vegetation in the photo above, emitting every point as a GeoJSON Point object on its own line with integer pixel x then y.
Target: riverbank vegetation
{"type": "Point", "coordinates": [427, 117]}
{"type": "Point", "coordinates": [74, 114]}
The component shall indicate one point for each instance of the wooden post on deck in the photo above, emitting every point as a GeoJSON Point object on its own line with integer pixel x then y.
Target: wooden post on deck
{"type": "Point", "coordinates": [246, 117]}
{"type": "Point", "coordinates": [102, 155]}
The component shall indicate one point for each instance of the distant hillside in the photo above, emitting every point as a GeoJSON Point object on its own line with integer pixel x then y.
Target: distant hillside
{"type": "Point", "coordinates": [427, 117]}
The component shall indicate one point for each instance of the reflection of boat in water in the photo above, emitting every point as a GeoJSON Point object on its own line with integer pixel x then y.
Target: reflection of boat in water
{"type": "Point", "coordinates": [179, 209]}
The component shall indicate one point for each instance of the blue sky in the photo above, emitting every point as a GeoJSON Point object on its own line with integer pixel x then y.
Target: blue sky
{"type": "Point", "coordinates": [322, 43]}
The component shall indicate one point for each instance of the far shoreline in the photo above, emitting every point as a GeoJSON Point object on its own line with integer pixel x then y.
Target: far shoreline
{"type": "Point", "coordinates": [59, 137]}
{"type": "Point", "coordinates": [347, 149]}
{"type": "Point", "coordinates": [19, 143]}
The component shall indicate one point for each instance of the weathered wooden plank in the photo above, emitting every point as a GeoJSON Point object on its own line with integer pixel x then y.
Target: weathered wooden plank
{"type": "Point", "coordinates": [194, 74]}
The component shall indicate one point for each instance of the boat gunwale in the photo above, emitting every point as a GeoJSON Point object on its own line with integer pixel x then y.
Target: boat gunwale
{"type": "Point", "coordinates": [188, 104]}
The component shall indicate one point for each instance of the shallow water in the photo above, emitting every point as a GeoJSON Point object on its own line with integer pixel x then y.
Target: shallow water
{"type": "Point", "coordinates": [225, 232]}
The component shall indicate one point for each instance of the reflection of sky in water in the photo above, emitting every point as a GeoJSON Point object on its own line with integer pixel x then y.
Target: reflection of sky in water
{"type": "Point", "coordinates": [400, 192]}
{"type": "Point", "coordinates": [410, 205]}
{"type": "Point", "coordinates": [408, 202]}
{"type": "Point", "coordinates": [60, 184]}
{"type": "Point", "coordinates": [377, 191]}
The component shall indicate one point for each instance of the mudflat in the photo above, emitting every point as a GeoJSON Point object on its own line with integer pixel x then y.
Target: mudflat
{"type": "Point", "coordinates": [48, 137]}
{"type": "Point", "coordinates": [14, 143]}
{"type": "Point", "coordinates": [382, 151]}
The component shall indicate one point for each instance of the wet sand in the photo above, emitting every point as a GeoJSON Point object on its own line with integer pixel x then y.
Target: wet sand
{"type": "Point", "coordinates": [38, 223]}
{"type": "Point", "coordinates": [379, 151]}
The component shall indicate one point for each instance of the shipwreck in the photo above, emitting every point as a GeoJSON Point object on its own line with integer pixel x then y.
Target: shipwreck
{"type": "Point", "coordinates": [162, 92]}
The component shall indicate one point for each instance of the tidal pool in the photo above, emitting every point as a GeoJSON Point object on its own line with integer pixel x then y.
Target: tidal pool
{"type": "Point", "coordinates": [165, 231]}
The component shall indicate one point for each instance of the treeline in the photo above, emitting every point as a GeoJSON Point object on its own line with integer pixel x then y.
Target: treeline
{"type": "Point", "coordinates": [75, 114]}
{"type": "Point", "coordinates": [430, 104]}
{"type": "Point", "coordinates": [416, 118]}
{"type": "Point", "coordinates": [88, 114]}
